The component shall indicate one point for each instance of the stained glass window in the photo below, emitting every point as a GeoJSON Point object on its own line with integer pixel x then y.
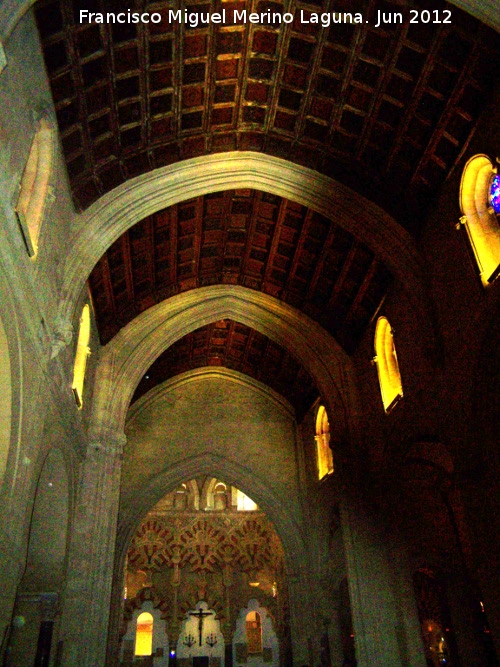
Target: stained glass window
{"type": "Point", "coordinates": [495, 194]}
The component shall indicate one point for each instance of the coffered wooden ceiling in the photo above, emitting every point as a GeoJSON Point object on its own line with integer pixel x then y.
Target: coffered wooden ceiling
{"type": "Point", "coordinates": [248, 238]}
{"type": "Point", "coordinates": [240, 348]}
{"type": "Point", "coordinates": [387, 111]}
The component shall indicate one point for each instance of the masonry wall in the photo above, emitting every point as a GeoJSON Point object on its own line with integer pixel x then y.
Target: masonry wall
{"type": "Point", "coordinates": [43, 415]}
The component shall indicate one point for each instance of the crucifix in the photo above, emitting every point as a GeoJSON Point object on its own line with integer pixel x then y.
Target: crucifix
{"type": "Point", "coordinates": [200, 614]}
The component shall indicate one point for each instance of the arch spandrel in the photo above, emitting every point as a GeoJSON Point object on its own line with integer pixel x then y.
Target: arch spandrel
{"type": "Point", "coordinates": [127, 357]}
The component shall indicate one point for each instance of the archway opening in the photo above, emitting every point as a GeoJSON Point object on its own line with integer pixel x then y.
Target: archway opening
{"type": "Point", "coordinates": [208, 568]}
{"type": "Point", "coordinates": [39, 593]}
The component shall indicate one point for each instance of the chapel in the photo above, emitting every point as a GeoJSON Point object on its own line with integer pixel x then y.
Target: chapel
{"type": "Point", "coordinates": [249, 333]}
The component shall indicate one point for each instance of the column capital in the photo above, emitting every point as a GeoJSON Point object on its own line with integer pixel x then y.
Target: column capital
{"type": "Point", "coordinates": [106, 441]}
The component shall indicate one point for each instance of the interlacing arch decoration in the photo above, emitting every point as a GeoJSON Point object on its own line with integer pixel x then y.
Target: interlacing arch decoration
{"type": "Point", "coordinates": [480, 205]}
{"type": "Point", "coordinates": [204, 544]}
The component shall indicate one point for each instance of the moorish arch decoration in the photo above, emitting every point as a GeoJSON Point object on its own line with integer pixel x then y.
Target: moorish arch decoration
{"type": "Point", "coordinates": [207, 571]}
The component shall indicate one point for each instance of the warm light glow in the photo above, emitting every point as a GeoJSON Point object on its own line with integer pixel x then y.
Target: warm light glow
{"type": "Point", "coordinates": [479, 215]}
{"type": "Point", "coordinates": [389, 376]}
{"type": "Point", "coordinates": [82, 353]}
{"type": "Point", "coordinates": [254, 632]}
{"type": "Point", "coordinates": [244, 503]}
{"type": "Point", "coordinates": [323, 451]}
{"type": "Point", "coordinates": [35, 185]}
{"type": "Point", "coordinates": [144, 634]}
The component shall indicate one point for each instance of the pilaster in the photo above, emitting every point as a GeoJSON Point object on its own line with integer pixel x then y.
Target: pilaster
{"type": "Point", "coordinates": [88, 593]}
{"type": "Point", "coordinates": [380, 635]}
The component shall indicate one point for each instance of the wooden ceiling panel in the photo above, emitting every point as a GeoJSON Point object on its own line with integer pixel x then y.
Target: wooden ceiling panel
{"type": "Point", "coordinates": [387, 111]}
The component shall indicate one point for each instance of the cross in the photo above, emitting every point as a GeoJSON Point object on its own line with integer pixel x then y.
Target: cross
{"type": "Point", "coordinates": [200, 614]}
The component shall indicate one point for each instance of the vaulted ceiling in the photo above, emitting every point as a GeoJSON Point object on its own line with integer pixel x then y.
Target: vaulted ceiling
{"type": "Point", "coordinates": [387, 110]}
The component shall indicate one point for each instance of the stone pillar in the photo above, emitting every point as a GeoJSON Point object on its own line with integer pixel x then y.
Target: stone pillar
{"type": "Point", "coordinates": [379, 633]}
{"type": "Point", "coordinates": [333, 632]}
{"type": "Point", "coordinates": [302, 617]}
{"type": "Point", "coordinates": [90, 576]}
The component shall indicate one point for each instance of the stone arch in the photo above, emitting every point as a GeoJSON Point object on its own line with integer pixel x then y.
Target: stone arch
{"type": "Point", "coordinates": [105, 220]}
{"type": "Point", "coordinates": [127, 357]}
{"type": "Point", "coordinates": [11, 386]}
{"type": "Point", "coordinates": [42, 584]}
{"type": "Point", "coordinates": [237, 471]}
{"type": "Point", "coordinates": [216, 466]}
{"type": "Point", "coordinates": [46, 554]}
{"type": "Point", "coordinates": [6, 402]}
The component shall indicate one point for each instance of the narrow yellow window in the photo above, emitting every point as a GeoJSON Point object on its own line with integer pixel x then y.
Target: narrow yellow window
{"type": "Point", "coordinates": [323, 450]}
{"type": "Point", "coordinates": [144, 634]}
{"type": "Point", "coordinates": [34, 190]}
{"type": "Point", "coordinates": [480, 204]}
{"type": "Point", "coordinates": [82, 353]}
{"type": "Point", "coordinates": [389, 377]}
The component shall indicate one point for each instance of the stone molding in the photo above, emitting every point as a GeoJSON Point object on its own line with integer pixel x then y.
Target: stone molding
{"type": "Point", "coordinates": [107, 219]}
{"type": "Point", "coordinates": [197, 374]}
{"type": "Point", "coordinates": [127, 357]}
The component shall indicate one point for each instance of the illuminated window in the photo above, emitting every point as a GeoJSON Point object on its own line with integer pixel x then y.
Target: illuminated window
{"type": "Point", "coordinates": [389, 376]}
{"type": "Point", "coordinates": [495, 194]}
{"type": "Point", "coordinates": [144, 634]}
{"type": "Point", "coordinates": [323, 451]}
{"type": "Point", "coordinates": [254, 632]}
{"type": "Point", "coordinates": [480, 204]}
{"type": "Point", "coordinates": [82, 353]}
{"type": "Point", "coordinates": [35, 190]}
{"type": "Point", "coordinates": [244, 503]}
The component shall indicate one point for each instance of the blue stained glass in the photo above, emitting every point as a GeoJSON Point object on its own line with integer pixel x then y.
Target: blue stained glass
{"type": "Point", "coordinates": [495, 194]}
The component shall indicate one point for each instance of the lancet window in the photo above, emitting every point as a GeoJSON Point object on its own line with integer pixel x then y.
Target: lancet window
{"type": "Point", "coordinates": [82, 353]}
{"type": "Point", "coordinates": [389, 377]}
{"type": "Point", "coordinates": [34, 189]}
{"type": "Point", "coordinates": [323, 450]}
{"type": "Point", "coordinates": [480, 204]}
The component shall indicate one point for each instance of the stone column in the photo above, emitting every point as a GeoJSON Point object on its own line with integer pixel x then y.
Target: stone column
{"type": "Point", "coordinates": [379, 632]}
{"type": "Point", "coordinates": [302, 616]}
{"type": "Point", "coordinates": [88, 592]}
